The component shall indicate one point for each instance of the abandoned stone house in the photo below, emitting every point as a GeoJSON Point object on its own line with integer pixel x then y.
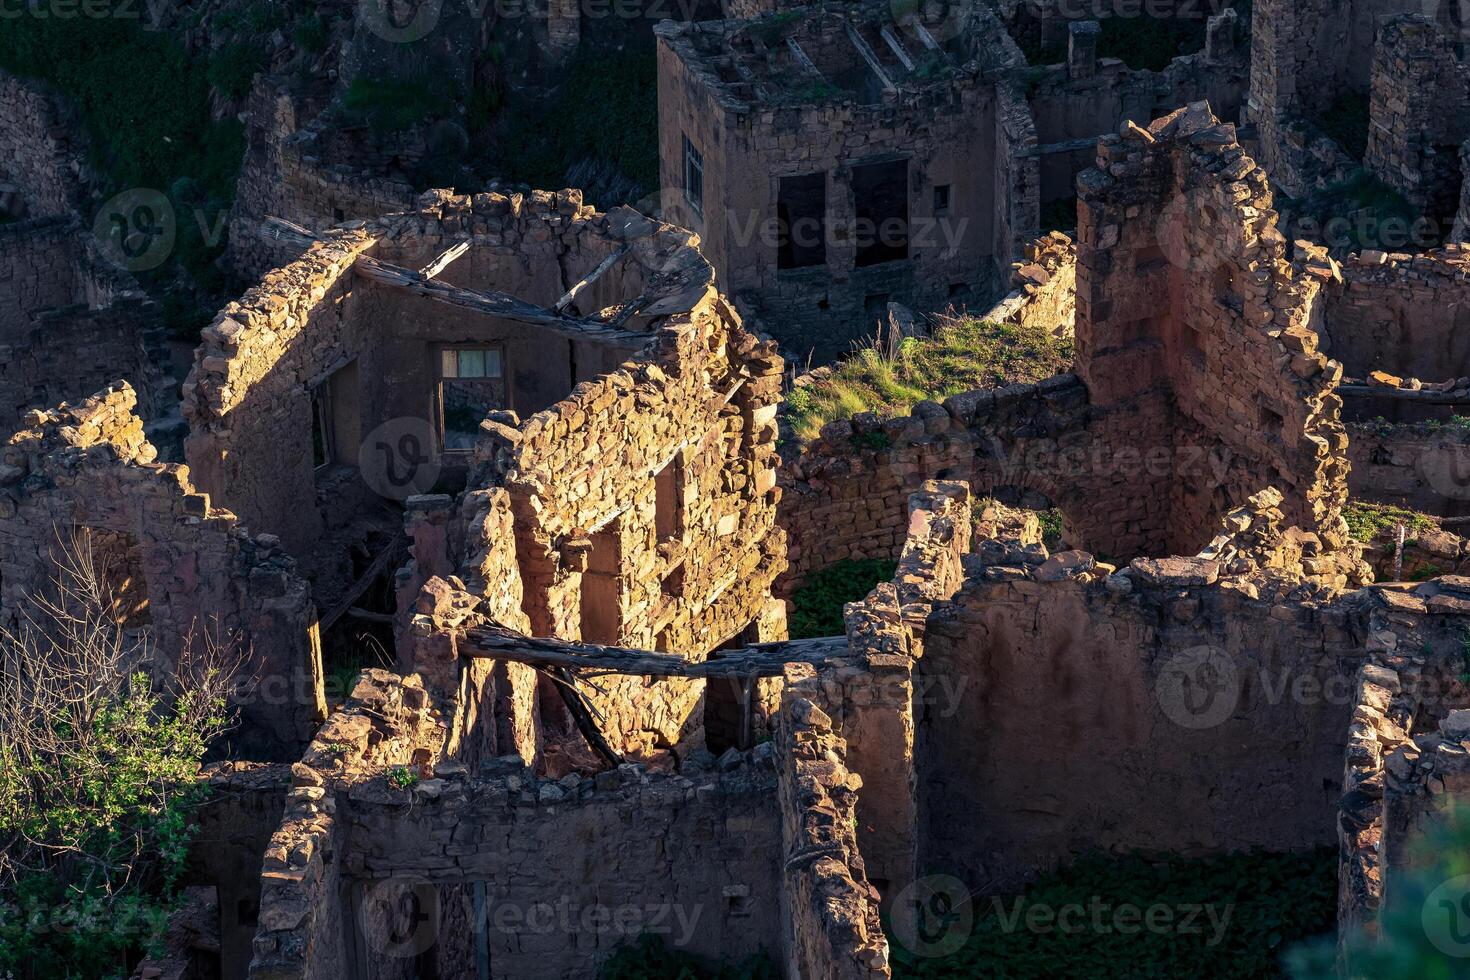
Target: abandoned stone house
{"type": "Point", "coordinates": [586, 645]}
{"type": "Point", "coordinates": [835, 159]}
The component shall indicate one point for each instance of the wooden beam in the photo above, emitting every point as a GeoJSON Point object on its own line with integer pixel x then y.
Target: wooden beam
{"type": "Point", "coordinates": [1067, 146]}
{"type": "Point", "coordinates": [1404, 395]}
{"type": "Point", "coordinates": [924, 35]}
{"type": "Point", "coordinates": [491, 303]}
{"type": "Point", "coordinates": [869, 56]}
{"type": "Point", "coordinates": [281, 230]}
{"type": "Point", "coordinates": [896, 47]}
{"type": "Point", "coordinates": [589, 279]}
{"type": "Point", "coordinates": [758, 660]}
{"type": "Point", "coordinates": [445, 258]}
{"type": "Point", "coordinates": [354, 592]}
{"type": "Point", "coordinates": [581, 712]}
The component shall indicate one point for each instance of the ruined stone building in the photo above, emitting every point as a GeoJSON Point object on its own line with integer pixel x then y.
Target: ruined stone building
{"type": "Point", "coordinates": [835, 159]}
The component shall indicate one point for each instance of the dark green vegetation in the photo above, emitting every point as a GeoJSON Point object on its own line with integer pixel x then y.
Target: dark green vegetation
{"type": "Point", "coordinates": [145, 106]}
{"type": "Point", "coordinates": [820, 600]}
{"type": "Point", "coordinates": [890, 379]}
{"type": "Point", "coordinates": [1271, 900]}
{"type": "Point", "coordinates": [1358, 213]}
{"type": "Point", "coordinates": [1346, 121]}
{"type": "Point", "coordinates": [647, 958]}
{"type": "Point", "coordinates": [603, 117]}
{"type": "Point", "coordinates": [1140, 42]}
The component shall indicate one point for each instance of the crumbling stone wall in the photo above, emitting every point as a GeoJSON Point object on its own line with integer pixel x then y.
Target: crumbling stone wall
{"type": "Point", "coordinates": [1075, 104]}
{"type": "Point", "coordinates": [40, 154]}
{"type": "Point", "coordinates": [1404, 315]}
{"type": "Point", "coordinates": [1419, 466]}
{"type": "Point", "coordinates": [71, 322]}
{"type": "Point", "coordinates": [87, 465]}
{"type": "Point", "coordinates": [348, 849]}
{"type": "Point", "coordinates": [726, 88]}
{"type": "Point", "coordinates": [289, 173]}
{"type": "Point", "coordinates": [1043, 287]}
{"type": "Point", "coordinates": [835, 930]}
{"type": "Point", "coordinates": [1420, 112]}
{"type": "Point", "coordinates": [1184, 294]}
{"type": "Point", "coordinates": [1461, 231]}
{"type": "Point", "coordinates": [1036, 764]}
{"type": "Point", "coordinates": [1304, 55]}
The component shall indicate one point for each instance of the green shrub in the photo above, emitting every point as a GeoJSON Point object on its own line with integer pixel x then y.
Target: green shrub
{"type": "Point", "coordinates": [392, 105]}
{"type": "Point", "coordinates": [1272, 901]}
{"type": "Point", "coordinates": [647, 958]}
{"type": "Point", "coordinates": [311, 34]}
{"type": "Point", "coordinates": [1365, 520]}
{"type": "Point", "coordinates": [233, 68]}
{"type": "Point", "coordinates": [818, 603]}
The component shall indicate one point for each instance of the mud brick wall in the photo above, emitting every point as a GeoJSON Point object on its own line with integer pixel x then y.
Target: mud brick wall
{"type": "Point", "coordinates": [834, 928]}
{"type": "Point", "coordinates": [748, 141]}
{"type": "Point", "coordinates": [1420, 112]}
{"type": "Point", "coordinates": [88, 465]}
{"type": "Point", "coordinates": [1029, 770]}
{"type": "Point", "coordinates": [1183, 287]}
{"type": "Point", "coordinates": [40, 153]}
{"type": "Point", "coordinates": [1406, 315]}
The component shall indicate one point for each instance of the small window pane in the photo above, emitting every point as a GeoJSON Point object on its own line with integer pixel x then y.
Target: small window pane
{"type": "Point", "coordinates": [448, 364]}
{"type": "Point", "coordinates": [492, 363]}
{"type": "Point", "coordinates": [472, 364]}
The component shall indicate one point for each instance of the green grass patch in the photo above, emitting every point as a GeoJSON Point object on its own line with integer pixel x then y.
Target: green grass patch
{"type": "Point", "coordinates": [962, 355]}
{"type": "Point", "coordinates": [392, 105]}
{"type": "Point", "coordinates": [1261, 905]}
{"type": "Point", "coordinates": [1365, 520]}
{"type": "Point", "coordinates": [818, 603]}
{"type": "Point", "coordinates": [647, 958]}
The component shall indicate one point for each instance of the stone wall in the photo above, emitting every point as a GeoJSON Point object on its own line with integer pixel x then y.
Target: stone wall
{"type": "Point", "coordinates": [71, 323]}
{"type": "Point", "coordinates": [752, 132]}
{"type": "Point", "coordinates": [1420, 112]}
{"type": "Point", "coordinates": [86, 466]}
{"type": "Point", "coordinates": [1183, 292]}
{"type": "Point", "coordinates": [287, 173]}
{"type": "Point", "coordinates": [1461, 231]}
{"type": "Point", "coordinates": [835, 930]}
{"type": "Point", "coordinates": [1080, 721]}
{"type": "Point", "coordinates": [1405, 315]}
{"type": "Point", "coordinates": [40, 154]}
{"type": "Point", "coordinates": [565, 870]}
{"type": "Point", "coordinates": [1043, 287]}
{"type": "Point", "coordinates": [1419, 466]}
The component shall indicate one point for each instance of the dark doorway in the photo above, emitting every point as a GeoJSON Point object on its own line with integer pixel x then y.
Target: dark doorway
{"type": "Point", "coordinates": [880, 193]}
{"type": "Point", "coordinates": [801, 216]}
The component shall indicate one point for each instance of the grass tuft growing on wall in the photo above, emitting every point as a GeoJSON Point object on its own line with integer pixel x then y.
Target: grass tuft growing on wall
{"type": "Point", "coordinates": [962, 355]}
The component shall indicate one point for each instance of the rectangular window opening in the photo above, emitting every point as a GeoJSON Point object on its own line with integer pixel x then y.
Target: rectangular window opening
{"type": "Point", "coordinates": [880, 193]}
{"type": "Point", "coordinates": [471, 385]}
{"type": "Point", "coordinates": [693, 177]}
{"type": "Point", "coordinates": [801, 218]}
{"type": "Point", "coordinates": [668, 491]}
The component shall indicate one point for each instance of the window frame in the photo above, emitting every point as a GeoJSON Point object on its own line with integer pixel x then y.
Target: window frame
{"type": "Point", "coordinates": [693, 164]}
{"type": "Point", "coordinates": [440, 378]}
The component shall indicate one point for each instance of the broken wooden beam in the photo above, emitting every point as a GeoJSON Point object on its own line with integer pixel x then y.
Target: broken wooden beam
{"type": "Point", "coordinates": [442, 261]}
{"type": "Point", "coordinates": [757, 660]}
{"type": "Point", "coordinates": [896, 46]}
{"type": "Point", "coordinates": [491, 303]}
{"type": "Point", "coordinates": [806, 63]}
{"type": "Point", "coordinates": [869, 56]}
{"type": "Point", "coordinates": [589, 279]}
{"type": "Point", "coordinates": [375, 571]}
